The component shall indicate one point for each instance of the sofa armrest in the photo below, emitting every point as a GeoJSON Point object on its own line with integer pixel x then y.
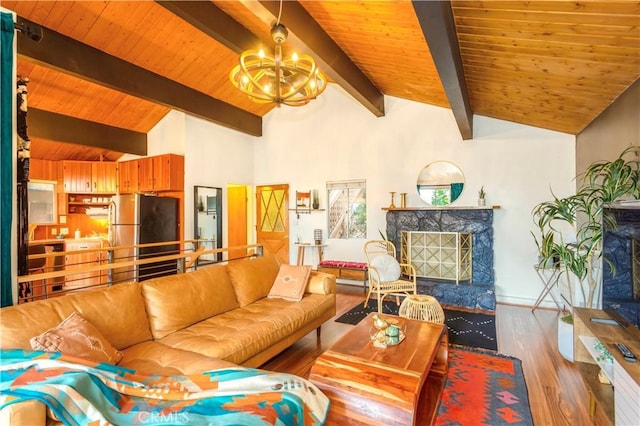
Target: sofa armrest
{"type": "Point", "coordinates": [27, 413]}
{"type": "Point", "coordinates": [321, 283]}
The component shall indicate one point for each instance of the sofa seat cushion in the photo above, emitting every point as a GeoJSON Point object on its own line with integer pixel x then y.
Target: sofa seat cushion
{"type": "Point", "coordinates": [118, 312]}
{"type": "Point", "coordinates": [238, 335]}
{"type": "Point", "coordinates": [177, 301]}
{"type": "Point", "coordinates": [156, 358]}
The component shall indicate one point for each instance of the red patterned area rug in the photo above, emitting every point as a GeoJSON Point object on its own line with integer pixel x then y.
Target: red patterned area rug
{"type": "Point", "coordinates": [483, 388]}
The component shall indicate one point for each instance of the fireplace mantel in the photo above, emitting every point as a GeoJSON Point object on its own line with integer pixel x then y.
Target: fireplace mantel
{"type": "Point", "coordinates": [400, 209]}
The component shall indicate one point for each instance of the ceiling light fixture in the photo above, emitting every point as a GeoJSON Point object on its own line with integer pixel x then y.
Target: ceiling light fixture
{"type": "Point", "coordinates": [293, 80]}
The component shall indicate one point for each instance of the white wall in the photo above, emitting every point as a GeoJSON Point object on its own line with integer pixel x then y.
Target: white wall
{"type": "Point", "coordinates": [215, 156]}
{"type": "Point", "coordinates": [335, 138]}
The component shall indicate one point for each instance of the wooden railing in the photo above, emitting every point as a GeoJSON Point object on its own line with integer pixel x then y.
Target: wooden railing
{"type": "Point", "coordinates": [102, 270]}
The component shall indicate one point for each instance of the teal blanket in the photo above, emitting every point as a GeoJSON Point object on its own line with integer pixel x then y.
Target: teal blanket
{"type": "Point", "coordinates": [81, 392]}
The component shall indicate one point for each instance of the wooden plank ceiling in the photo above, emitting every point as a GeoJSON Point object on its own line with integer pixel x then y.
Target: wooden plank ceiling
{"type": "Point", "coordinates": [551, 64]}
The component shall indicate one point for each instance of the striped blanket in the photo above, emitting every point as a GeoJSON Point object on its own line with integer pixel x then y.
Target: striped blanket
{"type": "Point", "coordinates": [81, 392]}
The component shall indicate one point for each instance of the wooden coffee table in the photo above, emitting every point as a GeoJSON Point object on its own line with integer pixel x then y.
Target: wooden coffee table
{"type": "Point", "coordinates": [397, 385]}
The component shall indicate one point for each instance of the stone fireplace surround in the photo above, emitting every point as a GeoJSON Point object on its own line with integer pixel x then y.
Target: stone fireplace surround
{"type": "Point", "coordinates": [618, 288]}
{"type": "Point", "coordinates": [480, 292]}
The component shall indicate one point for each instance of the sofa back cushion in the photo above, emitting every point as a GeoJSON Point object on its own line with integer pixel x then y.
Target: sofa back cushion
{"type": "Point", "coordinates": [253, 278]}
{"type": "Point", "coordinates": [118, 312]}
{"type": "Point", "coordinates": [177, 301]}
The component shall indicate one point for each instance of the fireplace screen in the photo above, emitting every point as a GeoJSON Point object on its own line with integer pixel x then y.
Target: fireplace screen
{"type": "Point", "coordinates": [442, 255]}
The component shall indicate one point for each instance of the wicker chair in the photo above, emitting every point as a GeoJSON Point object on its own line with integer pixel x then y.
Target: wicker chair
{"type": "Point", "coordinates": [402, 286]}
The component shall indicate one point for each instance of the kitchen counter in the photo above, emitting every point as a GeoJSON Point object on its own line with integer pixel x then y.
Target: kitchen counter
{"type": "Point", "coordinates": [48, 242]}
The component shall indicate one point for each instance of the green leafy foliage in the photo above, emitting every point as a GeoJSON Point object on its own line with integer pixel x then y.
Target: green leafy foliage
{"type": "Point", "coordinates": [602, 183]}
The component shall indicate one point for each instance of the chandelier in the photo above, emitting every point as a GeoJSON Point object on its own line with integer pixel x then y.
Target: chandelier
{"type": "Point", "coordinates": [293, 80]}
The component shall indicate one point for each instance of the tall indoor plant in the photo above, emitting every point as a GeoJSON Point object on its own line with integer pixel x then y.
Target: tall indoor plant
{"type": "Point", "coordinates": [601, 184]}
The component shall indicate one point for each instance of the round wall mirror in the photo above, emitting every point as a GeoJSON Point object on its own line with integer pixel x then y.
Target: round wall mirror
{"type": "Point", "coordinates": [440, 183]}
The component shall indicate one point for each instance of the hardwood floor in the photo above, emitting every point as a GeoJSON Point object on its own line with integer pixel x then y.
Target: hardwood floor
{"type": "Point", "coordinates": [557, 394]}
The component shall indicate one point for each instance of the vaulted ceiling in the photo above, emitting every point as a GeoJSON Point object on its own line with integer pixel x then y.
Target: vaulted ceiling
{"type": "Point", "coordinates": [551, 64]}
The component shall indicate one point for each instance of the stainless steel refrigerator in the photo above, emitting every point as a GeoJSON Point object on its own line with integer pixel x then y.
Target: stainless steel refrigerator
{"type": "Point", "coordinates": [136, 219]}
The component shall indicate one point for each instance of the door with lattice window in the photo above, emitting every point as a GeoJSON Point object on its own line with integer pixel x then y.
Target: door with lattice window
{"type": "Point", "coordinates": [272, 214]}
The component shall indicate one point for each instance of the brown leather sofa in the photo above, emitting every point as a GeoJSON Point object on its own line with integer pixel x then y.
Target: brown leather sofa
{"type": "Point", "coordinates": [181, 324]}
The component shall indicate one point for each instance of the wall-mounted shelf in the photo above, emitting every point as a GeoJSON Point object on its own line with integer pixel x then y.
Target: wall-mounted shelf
{"type": "Point", "coordinates": [304, 202]}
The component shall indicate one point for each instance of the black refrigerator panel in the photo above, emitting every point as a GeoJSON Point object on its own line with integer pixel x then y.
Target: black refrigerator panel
{"type": "Point", "coordinates": [158, 218]}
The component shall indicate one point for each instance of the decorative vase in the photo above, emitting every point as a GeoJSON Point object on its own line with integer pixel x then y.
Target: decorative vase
{"type": "Point", "coordinates": [403, 200]}
{"type": "Point", "coordinates": [481, 202]}
{"type": "Point", "coordinates": [315, 201]}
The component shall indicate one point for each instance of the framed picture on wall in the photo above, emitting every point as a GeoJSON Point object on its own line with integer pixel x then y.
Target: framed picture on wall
{"type": "Point", "coordinates": [303, 199]}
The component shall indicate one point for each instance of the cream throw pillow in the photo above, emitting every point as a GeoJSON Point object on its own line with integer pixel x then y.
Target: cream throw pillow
{"type": "Point", "coordinates": [78, 337]}
{"type": "Point", "coordinates": [387, 266]}
{"type": "Point", "coordinates": [290, 282]}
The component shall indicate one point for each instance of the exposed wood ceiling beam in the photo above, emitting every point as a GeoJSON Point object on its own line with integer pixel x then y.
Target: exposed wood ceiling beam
{"type": "Point", "coordinates": [214, 22]}
{"type": "Point", "coordinates": [438, 27]}
{"type": "Point", "coordinates": [63, 128]}
{"type": "Point", "coordinates": [308, 36]}
{"type": "Point", "coordinates": [70, 56]}
{"type": "Point", "coordinates": [304, 33]}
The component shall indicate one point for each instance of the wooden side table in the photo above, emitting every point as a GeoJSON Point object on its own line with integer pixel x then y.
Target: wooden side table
{"type": "Point", "coordinates": [301, 250]}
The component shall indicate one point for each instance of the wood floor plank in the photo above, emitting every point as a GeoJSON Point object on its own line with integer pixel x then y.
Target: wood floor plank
{"type": "Point", "coordinates": [557, 394]}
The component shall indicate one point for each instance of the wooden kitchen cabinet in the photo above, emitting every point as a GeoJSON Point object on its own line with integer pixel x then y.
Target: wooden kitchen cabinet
{"type": "Point", "coordinates": [161, 173]}
{"type": "Point", "coordinates": [104, 177]}
{"type": "Point", "coordinates": [128, 176]}
{"type": "Point", "coordinates": [75, 176]}
{"type": "Point", "coordinates": [168, 171]}
{"type": "Point", "coordinates": [87, 177]}
{"type": "Point", "coordinates": [43, 169]}
{"type": "Point", "coordinates": [145, 174]}
{"type": "Point", "coordinates": [83, 260]}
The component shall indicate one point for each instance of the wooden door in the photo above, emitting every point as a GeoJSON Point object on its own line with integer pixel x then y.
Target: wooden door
{"type": "Point", "coordinates": [272, 213]}
{"type": "Point", "coordinates": [237, 220]}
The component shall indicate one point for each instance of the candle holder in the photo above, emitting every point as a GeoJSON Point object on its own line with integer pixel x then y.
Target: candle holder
{"type": "Point", "coordinates": [393, 196]}
{"type": "Point", "coordinates": [403, 200]}
{"type": "Point", "coordinates": [317, 236]}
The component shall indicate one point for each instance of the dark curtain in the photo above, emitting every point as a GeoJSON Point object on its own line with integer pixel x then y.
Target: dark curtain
{"type": "Point", "coordinates": [6, 156]}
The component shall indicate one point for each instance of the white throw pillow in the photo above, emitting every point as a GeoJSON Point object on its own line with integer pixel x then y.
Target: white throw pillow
{"type": "Point", "coordinates": [387, 266]}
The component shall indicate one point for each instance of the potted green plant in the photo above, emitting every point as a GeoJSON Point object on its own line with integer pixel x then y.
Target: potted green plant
{"type": "Point", "coordinates": [602, 183]}
{"type": "Point", "coordinates": [481, 195]}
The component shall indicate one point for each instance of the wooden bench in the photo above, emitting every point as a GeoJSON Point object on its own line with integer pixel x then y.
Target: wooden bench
{"type": "Point", "coordinates": [356, 271]}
